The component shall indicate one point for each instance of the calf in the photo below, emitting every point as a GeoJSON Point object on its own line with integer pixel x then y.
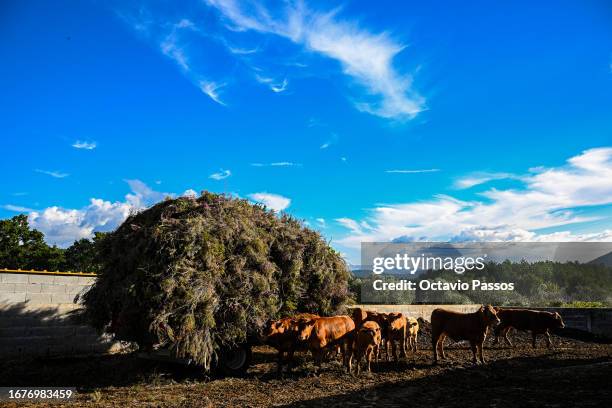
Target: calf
{"type": "Point", "coordinates": [538, 322]}
{"type": "Point", "coordinates": [367, 342]}
{"type": "Point", "coordinates": [397, 326]}
{"type": "Point", "coordinates": [325, 333]}
{"type": "Point", "coordinates": [360, 316]}
{"type": "Point", "coordinates": [462, 326]}
{"type": "Point", "coordinates": [282, 334]}
{"type": "Point", "coordinates": [412, 334]}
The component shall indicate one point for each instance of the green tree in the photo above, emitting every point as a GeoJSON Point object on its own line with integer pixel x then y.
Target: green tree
{"type": "Point", "coordinates": [82, 255]}
{"type": "Point", "coordinates": [22, 247]}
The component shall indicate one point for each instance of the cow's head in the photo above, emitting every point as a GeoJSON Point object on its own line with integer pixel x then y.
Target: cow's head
{"type": "Point", "coordinates": [489, 315]}
{"type": "Point", "coordinates": [304, 328]}
{"type": "Point", "coordinates": [558, 321]}
{"type": "Point", "coordinates": [273, 328]}
{"type": "Point", "coordinates": [359, 315]}
{"type": "Point", "coordinates": [394, 320]}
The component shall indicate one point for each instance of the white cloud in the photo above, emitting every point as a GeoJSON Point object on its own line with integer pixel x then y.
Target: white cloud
{"type": "Point", "coordinates": [62, 226]}
{"type": "Point", "coordinates": [273, 201]}
{"type": "Point", "coordinates": [84, 145]}
{"type": "Point", "coordinates": [55, 173]}
{"type": "Point", "coordinates": [325, 145]}
{"type": "Point", "coordinates": [142, 195]}
{"type": "Point", "coordinates": [277, 164]}
{"type": "Point", "coordinates": [321, 222]}
{"type": "Point", "coordinates": [16, 208]}
{"type": "Point", "coordinates": [172, 40]}
{"type": "Point", "coordinates": [350, 224]}
{"type": "Point", "coordinates": [282, 87]}
{"type": "Point", "coordinates": [412, 171]}
{"type": "Point", "coordinates": [222, 174]}
{"type": "Point", "coordinates": [211, 89]}
{"type": "Point", "coordinates": [548, 199]}
{"type": "Point", "coordinates": [190, 193]}
{"type": "Point", "coordinates": [364, 56]}
{"type": "Point", "coordinates": [274, 85]}
{"type": "Point", "coordinates": [475, 179]}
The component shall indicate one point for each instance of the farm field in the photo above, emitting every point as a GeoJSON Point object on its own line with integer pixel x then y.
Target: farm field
{"type": "Point", "coordinates": [575, 373]}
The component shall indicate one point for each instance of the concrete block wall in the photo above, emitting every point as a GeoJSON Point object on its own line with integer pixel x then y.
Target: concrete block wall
{"type": "Point", "coordinates": [39, 317]}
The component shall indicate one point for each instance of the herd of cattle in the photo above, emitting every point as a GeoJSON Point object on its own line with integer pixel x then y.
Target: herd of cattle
{"type": "Point", "coordinates": [366, 334]}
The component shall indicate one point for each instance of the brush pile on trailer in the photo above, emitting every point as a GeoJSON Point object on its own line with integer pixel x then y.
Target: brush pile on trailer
{"type": "Point", "coordinates": [200, 275]}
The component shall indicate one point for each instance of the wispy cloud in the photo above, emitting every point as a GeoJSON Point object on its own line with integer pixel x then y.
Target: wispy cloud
{"type": "Point", "coordinates": [333, 139]}
{"type": "Point", "coordinates": [19, 194]}
{"type": "Point", "coordinates": [277, 164]}
{"type": "Point", "coordinates": [475, 179]}
{"type": "Point", "coordinates": [222, 174]}
{"type": "Point", "coordinates": [17, 208]}
{"type": "Point", "coordinates": [275, 202]}
{"type": "Point", "coordinates": [172, 43]}
{"type": "Point", "coordinates": [549, 197]}
{"type": "Point", "coordinates": [274, 85]}
{"type": "Point", "coordinates": [212, 90]}
{"type": "Point", "coordinates": [84, 145]}
{"type": "Point", "coordinates": [56, 174]}
{"type": "Point", "coordinates": [278, 88]}
{"type": "Point", "coordinates": [365, 57]}
{"type": "Point", "coordinates": [412, 171]}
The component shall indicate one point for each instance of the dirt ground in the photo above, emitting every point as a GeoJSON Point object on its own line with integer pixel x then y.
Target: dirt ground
{"type": "Point", "coordinates": [574, 373]}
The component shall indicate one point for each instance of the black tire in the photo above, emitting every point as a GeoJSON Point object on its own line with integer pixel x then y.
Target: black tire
{"type": "Point", "coordinates": [236, 361]}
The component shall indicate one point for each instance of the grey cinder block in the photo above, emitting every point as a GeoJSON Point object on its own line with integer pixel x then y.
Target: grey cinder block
{"type": "Point", "coordinates": [13, 278]}
{"type": "Point", "coordinates": [41, 279]}
{"type": "Point", "coordinates": [38, 298]}
{"type": "Point", "coordinates": [12, 298]}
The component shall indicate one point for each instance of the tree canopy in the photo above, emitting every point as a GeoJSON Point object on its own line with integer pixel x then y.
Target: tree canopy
{"type": "Point", "coordinates": [23, 247]}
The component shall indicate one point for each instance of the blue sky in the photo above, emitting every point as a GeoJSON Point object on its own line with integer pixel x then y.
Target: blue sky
{"type": "Point", "coordinates": [370, 121]}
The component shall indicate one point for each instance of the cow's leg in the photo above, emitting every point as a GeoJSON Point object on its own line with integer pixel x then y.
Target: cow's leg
{"type": "Point", "coordinates": [349, 366]}
{"type": "Point", "coordinates": [548, 339]}
{"type": "Point", "coordinates": [434, 346]}
{"type": "Point", "coordinates": [369, 358]}
{"type": "Point", "coordinates": [280, 361]}
{"type": "Point", "coordinates": [474, 351]}
{"type": "Point", "coordinates": [479, 346]}
{"type": "Point", "coordinates": [533, 339]}
{"type": "Point", "coordinates": [442, 353]}
{"type": "Point", "coordinates": [404, 347]}
{"type": "Point", "coordinates": [505, 333]}
{"type": "Point", "coordinates": [394, 350]}
{"type": "Point", "coordinates": [290, 359]}
{"type": "Point", "coordinates": [318, 356]}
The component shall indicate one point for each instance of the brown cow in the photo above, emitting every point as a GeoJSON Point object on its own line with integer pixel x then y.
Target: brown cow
{"type": "Point", "coordinates": [538, 322]}
{"type": "Point", "coordinates": [367, 342]}
{"type": "Point", "coordinates": [282, 334]}
{"type": "Point", "coordinates": [325, 333]}
{"type": "Point", "coordinates": [396, 332]}
{"type": "Point", "coordinates": [412, 334]}
{"type": "Point", "coordinates": [462, 326]}
{"type": "Point", "coordinates": [360, 316]}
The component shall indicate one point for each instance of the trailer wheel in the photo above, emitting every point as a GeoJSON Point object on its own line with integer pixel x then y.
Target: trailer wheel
{"type": "Point", "coordinates": [234, 362]}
